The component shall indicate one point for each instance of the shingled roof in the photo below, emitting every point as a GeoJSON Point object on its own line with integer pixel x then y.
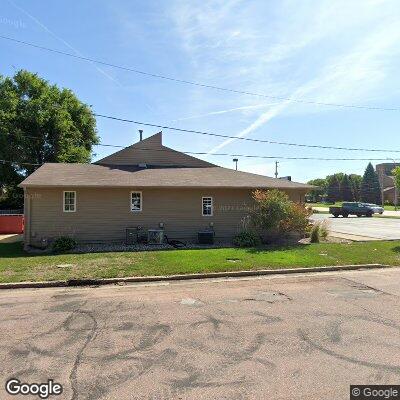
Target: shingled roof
{"type": "Point", "coordinates": [164, 168]}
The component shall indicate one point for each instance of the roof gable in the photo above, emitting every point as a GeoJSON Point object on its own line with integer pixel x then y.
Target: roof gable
{"type": "Point", "coordinates": [151, 152]}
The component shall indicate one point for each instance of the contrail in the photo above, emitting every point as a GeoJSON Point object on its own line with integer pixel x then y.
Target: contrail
{"type": "Point", "coordinates": [261, 120]}
{"type": "Point", "coordinates": [225, 111]}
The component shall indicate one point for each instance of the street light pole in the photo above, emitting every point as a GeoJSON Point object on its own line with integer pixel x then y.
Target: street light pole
{"type": "Point", "coordinates": [235, 160]}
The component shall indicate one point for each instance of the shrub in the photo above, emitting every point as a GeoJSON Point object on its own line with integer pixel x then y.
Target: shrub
{"type": "Point", "coordinates": [63, 244]}
{"type": "Point", "coordinates": [273, 206]}
{"type": "Point", "coordinates": [277, 215]}
{"type": "Point", "coordinates": [319, 231]}
{"type": "Point", "coordinates": [323, 230]}
{"type": "Point", "coordinates": [315, 234]}
{"type": "Point", "coordinates": [247, 239]}
{"type": "Point", "coordinates": [297, 219]}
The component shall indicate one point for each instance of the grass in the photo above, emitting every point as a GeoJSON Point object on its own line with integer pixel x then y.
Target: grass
{"type": "Point", "coordinates": [339, 203]}
{"type": "Point", "coordinates": [325, 205]}
{"type": "Point", "coordinates": [16, 266]}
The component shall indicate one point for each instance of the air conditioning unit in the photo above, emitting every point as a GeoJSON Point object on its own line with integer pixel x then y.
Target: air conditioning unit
{"type": "Point", "coordinates": [135, 235]}
{"type": "Point", "coordinates": [155, 236]}
{"type": "Point", "coordinates": [206, 237]}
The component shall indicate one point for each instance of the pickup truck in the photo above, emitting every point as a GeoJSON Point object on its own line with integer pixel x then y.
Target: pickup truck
{"type": "Point", "coordinates": [358, 209]}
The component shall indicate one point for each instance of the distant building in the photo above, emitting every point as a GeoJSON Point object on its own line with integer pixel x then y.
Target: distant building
{"type": "Point", "coordinates": [386, 180]}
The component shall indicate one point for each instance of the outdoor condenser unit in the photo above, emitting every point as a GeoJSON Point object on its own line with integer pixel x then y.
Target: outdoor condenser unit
{"type": "Point", "coordinates": [205, 237]}
{"type": "Point", "coordinates": [155, 236]}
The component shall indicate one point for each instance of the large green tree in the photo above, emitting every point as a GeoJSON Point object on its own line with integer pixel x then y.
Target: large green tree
{"type": "Point", "coordinates": [346, 192]}
{"type": "Point", "coordinates": [355, 181]}
{"type": "Point", "coordinates": [320, 189]}
{"type": "Point", "coordinates": [370, 187]}
{"type": "Point", "coordinates": [39, 123]}
{"type": "Point", "coordinates": [333, 188]}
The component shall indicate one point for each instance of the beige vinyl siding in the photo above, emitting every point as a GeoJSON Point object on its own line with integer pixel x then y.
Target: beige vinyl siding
{"type": "Point", "coordinates": [102, 215]}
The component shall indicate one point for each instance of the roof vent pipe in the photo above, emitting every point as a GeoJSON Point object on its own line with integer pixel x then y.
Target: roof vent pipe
{"type": "Point", "coordinates": [141, 134]}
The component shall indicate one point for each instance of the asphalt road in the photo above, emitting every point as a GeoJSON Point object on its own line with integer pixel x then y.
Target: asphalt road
{"type": "Point", "coordinates": [363, 228]}
{"type": "Point", "coordinates": [283, 337]}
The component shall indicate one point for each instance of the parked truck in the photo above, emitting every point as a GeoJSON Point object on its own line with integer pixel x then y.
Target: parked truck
{"type": "Point", "coordinates": [358, 209]}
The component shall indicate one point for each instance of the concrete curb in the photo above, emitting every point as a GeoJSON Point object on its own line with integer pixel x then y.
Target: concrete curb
{"type": "Point", "coordinates": [143, 279]}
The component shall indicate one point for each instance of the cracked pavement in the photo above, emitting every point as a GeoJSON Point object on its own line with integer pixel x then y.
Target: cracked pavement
{"type": "Point", "coordinates": [281, 337]}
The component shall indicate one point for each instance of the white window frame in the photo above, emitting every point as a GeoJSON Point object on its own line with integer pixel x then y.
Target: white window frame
{"type": "Point", "coordinates": [75, 207]}
{"type": "Point", "coordinates": [202, 206]}
{"type": "Point", "coordinates": [141, 201]}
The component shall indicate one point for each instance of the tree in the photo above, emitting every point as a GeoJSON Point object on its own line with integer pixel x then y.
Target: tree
{"type": "Point", "coordinates": [355, 181]}
{"type": "Point", "coordinates": [320, 190]}
{"type": "Point", "coordinates": [333, 189]}
{"type": "Point", "coordinates": [272, 207]}
{"type": "Point", "coordinates": [396, 175]}
{"type": "Point", "coordinates": [276, 215]}
{"type": "Point", "coordinates": [370, 187]}
{"type": "Point", "coordinates": [40, 122]}
{"type": "Point", "coordinates": [346, 193]}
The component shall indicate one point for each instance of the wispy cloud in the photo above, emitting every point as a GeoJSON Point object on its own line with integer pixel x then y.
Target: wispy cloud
{"type": "Point", "coordinates": [337, 52]}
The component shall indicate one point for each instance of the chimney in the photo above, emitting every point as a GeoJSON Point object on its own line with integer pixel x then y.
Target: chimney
{"type": "Point", "coordinates": [141, 134]}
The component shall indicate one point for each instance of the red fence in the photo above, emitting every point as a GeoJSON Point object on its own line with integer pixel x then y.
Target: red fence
{"type": "Point", "coordinates": [11, 224]}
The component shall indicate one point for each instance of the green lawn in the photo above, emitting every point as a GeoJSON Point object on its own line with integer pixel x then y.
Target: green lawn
{"type": "Point", "coordinates": [339, 203]}
{"type": "Point", "coordinates": [16, 266]}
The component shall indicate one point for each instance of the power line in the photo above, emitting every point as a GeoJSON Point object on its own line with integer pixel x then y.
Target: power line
{"type": "Point", "coordinates": [225, 136]}
{"type": "Point", "coordinates": [183, 81]}
{"type": "Point", "coordinates": [233, 155]}
{"type": "Point", "coordinates": [244, 138]}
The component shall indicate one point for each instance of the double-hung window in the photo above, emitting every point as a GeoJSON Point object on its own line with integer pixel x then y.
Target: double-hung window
{"type": "Point", "coordinates": [136, 201]}
{"type": "Point", "coordinates": [69, 202]}
{"type": "Point", "coordinates": [207, 206]}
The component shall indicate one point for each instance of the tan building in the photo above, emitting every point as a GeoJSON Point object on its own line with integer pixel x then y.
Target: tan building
{"type": "Point", "coordinates": [144, 186]}
{"type": "Point", "coordinates": [386, 180]}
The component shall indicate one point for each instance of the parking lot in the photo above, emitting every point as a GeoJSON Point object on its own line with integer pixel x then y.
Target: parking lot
{"type": "Point", "coordinates": [361, 228]}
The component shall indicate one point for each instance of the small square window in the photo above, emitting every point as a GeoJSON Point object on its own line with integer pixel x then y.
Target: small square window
{"type": "Point", "coordinates": [207, 206]}
{"type": "Point", "coordinates": [69, 201]}
{"type": "Point", "coordinates": [136, 201]}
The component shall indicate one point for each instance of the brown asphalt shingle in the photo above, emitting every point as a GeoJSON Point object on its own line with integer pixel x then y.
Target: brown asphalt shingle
{"type": "Point", "coordinates": [92, 175]}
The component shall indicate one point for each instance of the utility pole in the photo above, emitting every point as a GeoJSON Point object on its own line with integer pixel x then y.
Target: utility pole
{"type": "Point", "coordinates": [235, 160]}
{"type": "Point", "coordinates": [276, 169]}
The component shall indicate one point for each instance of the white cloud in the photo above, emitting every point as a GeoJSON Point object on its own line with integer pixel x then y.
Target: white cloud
{"type": "Point", "coordinates": [330, 52]}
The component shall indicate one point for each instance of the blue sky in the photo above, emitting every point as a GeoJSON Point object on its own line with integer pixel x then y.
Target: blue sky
{"type": "Point", "coordinates": [324, 51]}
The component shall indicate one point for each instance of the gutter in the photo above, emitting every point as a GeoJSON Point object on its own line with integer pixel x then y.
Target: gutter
{"type": "Point", "coordinates": [184, 277]}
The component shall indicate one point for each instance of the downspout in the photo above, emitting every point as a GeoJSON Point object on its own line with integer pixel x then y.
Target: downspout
{"type": "Point", "coordinates": [27, 218]}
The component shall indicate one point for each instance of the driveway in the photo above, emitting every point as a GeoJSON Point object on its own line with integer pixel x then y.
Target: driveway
{"type": "Point", "coordinates": [361, 228]}
{"type": "Point", "coordinates": [298, 337]}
